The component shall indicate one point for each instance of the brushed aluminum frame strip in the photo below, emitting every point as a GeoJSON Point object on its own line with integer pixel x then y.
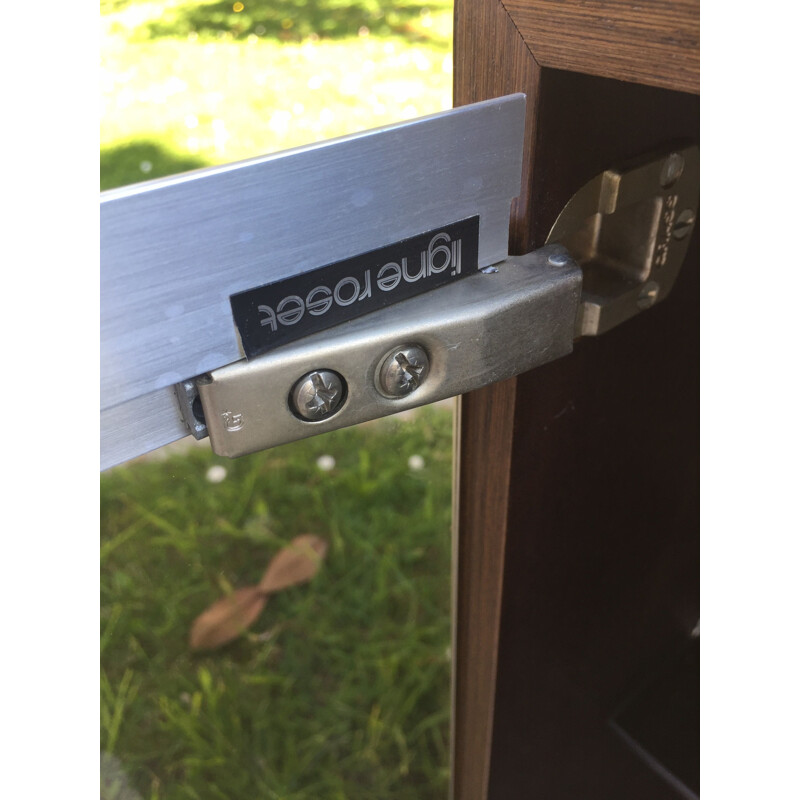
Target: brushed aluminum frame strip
{"type": "Point", "coordinates": [139, 426]}
{"type": "Point", "coordinates": [482, 329]}
{"type": "Point", "coordinates": [175, 249]}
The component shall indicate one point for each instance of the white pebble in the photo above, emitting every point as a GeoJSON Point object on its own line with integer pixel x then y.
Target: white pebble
{"type": "Point", "coordinates": [216, 474]}
{"type": "Point", "coordinates": [326, 463]}
{"type": "Point", "coordinates": [416, 462]}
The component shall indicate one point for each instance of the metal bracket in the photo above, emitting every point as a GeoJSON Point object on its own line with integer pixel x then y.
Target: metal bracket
{"type": "Point", "coordinates": [485, 328]}
{"type": "Point", "coordinates": [176, 251]}
{"type": "Point", "coordinates": [191, 408]}
{"type": "Point", "coordinates": [629, 229]}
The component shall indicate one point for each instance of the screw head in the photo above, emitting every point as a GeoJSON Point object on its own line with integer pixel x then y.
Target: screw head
{"type": "Point", "coordinates": [403, 370]}
{"type": "Point", "coordinates": [672, 170]}
{"type": "Point", "coordinates": [318, 395]}
{"type": "Point", "coordinates": [648, 295]}
{"type": "Point", "coordinates": [558, 260]}
{"type": "Point", "coordinates": [683, 224]}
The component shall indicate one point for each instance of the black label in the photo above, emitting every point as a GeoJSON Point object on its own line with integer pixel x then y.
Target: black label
{"type": "Point", "coordinates": [281, 312]}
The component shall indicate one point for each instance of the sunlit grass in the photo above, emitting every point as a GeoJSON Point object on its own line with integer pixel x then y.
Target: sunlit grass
{"type": "Point", "coordinates": [213, 96]}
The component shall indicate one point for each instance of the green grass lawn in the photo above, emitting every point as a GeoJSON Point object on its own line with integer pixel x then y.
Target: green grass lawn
{"type": "Point", "coordinates": [185, 85]}
{"type": "Point", "coordinates": [341, 688]}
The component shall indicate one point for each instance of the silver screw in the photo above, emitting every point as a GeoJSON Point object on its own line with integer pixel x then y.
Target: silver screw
{"type": "Point", "coordinates": [683, 224]}
{"type": "Point", "coordinates": [672, 170]}
{"type": "Point", "coordinates": [558, 260]}
{"type": "Point", "coordinates": [403, 370]}
{"type": "Point", "coordinates": [648, 295]}
{"type": "Point", "coordinates": [318, 395]}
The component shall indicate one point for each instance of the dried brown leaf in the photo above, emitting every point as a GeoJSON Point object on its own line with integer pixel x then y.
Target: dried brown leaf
{"type": "Point", "coordinates": [298, 562]}
{"type": "Point", "coordinates": [227, 618]}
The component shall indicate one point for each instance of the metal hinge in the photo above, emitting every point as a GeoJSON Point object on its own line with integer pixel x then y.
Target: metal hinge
{"type": "Point", "coordinates": [627, 232]}
{"type": "Point", "coordinates": [490, 326]}
{"type": "Point", "coordinates": [384, 327]}
{"type": "Point", "coordinates": [629, 229]}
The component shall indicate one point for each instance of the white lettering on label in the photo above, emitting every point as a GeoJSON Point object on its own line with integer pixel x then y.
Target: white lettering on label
{"type": "Point", "coordinates": [441, 254]}
{"type": "Point", "coordinates": [386, 284]}
{"type": "Point", "coordinates": [317, 307]}
{"type": "Point", "coordinates": [295, 311]}
{"type": "Point", "coordinates": [337, 292]}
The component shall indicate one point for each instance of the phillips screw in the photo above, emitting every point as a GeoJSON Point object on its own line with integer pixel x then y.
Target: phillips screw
{"type": "Point", "coordinates": [318, 395]}
{"type": "Point", "coordinates": [403, 370]}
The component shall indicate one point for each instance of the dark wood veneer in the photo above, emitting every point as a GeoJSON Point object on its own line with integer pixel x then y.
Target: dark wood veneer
{"type": "Point", "coordinates": [597, 528]}
{"type": "Point", "coordinates": [652, 42]}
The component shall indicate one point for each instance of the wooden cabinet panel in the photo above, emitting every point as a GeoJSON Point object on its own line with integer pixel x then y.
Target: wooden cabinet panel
{"type": "Point", "coordinates": [578, 494]}
{"type": "Point", "coordinates": [654, 42]}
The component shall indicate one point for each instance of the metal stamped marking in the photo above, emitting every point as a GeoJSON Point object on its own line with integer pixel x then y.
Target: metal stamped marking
{"type": "Point", "coordinates": [666, 225]}
{"type": "Point", "coordinates": [232, 421]}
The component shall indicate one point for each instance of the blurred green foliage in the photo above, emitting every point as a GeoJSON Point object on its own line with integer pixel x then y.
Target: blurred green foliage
{"type": "Point", "coordinates": [295, 20]}
{"type": "Point", "coordinates": [133, 161]}
{"type": "Point", "coordinates": [341, 689]}
{"type": "Point", "coordinates": [205, 84]}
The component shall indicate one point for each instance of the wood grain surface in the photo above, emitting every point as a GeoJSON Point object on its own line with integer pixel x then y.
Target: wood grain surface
{"type": "Point", "coordinates": [653, 42]}
{"type": "Point", "coordinates": [491, 59]}
{"type": "Point", "coordinates": [576, 126]}
{"type": "Point", "coordinates": [480, 503]}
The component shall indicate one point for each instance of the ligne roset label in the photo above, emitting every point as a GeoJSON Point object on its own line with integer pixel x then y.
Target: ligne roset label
{"type": "Point", "coordinates": [281, 312]}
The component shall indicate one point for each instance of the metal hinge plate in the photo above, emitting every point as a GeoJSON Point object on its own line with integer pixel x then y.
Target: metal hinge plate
{"type": "Point", "coordinates": [629, 229]}
{"type": "Point", "coordinates": [485, 328]}
{"type": "Point", "coordinates": [200, 270]}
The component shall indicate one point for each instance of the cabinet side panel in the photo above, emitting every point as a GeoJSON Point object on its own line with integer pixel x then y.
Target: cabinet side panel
{"type": "Point", "coordinates": [600, 588]}
{"type": "Point", "coordinates": [655, 43]}
{"type": "Point", "coordinates": [490, 60]}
